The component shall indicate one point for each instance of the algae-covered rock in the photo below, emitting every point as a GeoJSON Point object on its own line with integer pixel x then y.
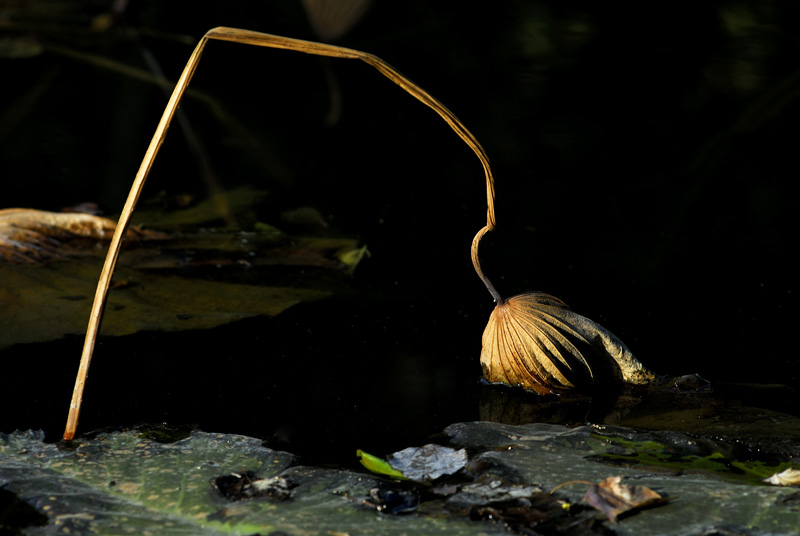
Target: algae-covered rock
{"type": "Point", "coordinates": [124, 483]}
{"type": "Point", "coordinates": [707, 488]}
{"type": "Point", "coordinates": [528, 479]}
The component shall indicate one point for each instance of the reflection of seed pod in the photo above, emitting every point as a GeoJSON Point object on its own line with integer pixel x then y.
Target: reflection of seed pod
{"type": "Point", "coordinates": [535, 341]}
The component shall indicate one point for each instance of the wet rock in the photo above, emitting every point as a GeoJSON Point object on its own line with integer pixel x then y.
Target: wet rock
{"type": "Point", "coordinates": [124, 481]}
{"type": "Point", "coordinates": [551, 455]}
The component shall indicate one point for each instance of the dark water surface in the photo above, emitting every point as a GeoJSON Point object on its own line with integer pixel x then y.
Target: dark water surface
{"type": "Point", "coordinates": [361, 371]}
{"type": "Point", "coordinates": [643, 175]}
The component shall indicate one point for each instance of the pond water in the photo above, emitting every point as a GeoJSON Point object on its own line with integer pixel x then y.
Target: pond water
{"type": "Point", "coordinates": [363, 371]}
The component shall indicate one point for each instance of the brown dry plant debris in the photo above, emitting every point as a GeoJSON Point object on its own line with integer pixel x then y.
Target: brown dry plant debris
{"type": "Point", "coordinates": [506, 347]}
{"type": "Point", "coordinates": [615, 499]}
{"type": "Point", "coordinates": [28, 235]}
{"type": "Point", "coordinates": [534, 340]}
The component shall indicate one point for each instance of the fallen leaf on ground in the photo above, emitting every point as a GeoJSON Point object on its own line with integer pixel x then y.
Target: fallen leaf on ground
{"type": "Point", "coordinates": [429, 462]}
{"type": "Point", "coordinates": [420, 464]}
{"type": "Point", "coordinates": [789, 477]}
{"type": "Point", "coordinates": [614, 499]}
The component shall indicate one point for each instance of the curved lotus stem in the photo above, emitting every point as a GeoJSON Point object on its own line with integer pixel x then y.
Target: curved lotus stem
{"type": "Point", "coordinates": [273, 41]}
{"type": "Point", "coordinates": [477, 264]}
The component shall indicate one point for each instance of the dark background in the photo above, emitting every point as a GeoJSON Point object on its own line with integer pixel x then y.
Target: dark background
{"type": "Point", "coordinates": [645, 163]}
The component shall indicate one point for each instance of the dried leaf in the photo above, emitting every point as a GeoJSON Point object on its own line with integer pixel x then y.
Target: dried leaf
{"type": "Point", "coordinates": [429, 462]}
{"type": "Point", "coordinates": [614, 499]}
{"type": "Point", "coordinates": [420, 464]}
{"type": "Point", "coordinates": [789, 477]}
{"type": "Point", "coordinates": [535, 341]}
{"type": "Point", "coordinates": [28, 235]}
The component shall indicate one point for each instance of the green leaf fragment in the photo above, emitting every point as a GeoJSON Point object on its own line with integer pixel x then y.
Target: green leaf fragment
{"type": "Point", "coordinates": [350, 257]}
{"type": "Point", "coordinates": [378, 465]}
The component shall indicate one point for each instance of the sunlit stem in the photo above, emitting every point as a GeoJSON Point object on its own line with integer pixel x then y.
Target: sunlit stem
{"type": "Point", "coordinates": [107, 273]}
{"type": "Point", "coordinates": [272, 41]}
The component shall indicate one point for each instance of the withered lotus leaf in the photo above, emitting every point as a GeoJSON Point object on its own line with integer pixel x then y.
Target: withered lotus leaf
{"type": "Point", "coordinates": [535, 341]}
{"type": "Point", "coordinates": [29, 235]}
